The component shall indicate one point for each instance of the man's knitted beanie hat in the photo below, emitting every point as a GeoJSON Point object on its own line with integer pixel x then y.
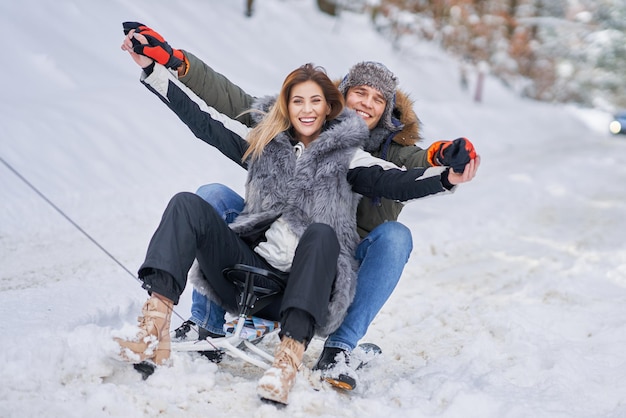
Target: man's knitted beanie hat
{"type": "Point", "coordinates": [375, 75]}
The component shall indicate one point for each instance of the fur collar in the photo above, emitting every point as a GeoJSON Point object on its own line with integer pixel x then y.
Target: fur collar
{"type": "Point", "coordinates": [403, 111]}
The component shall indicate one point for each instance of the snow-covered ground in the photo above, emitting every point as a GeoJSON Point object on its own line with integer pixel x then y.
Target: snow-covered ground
{"type": "Point", "coordinates": [513, 303]}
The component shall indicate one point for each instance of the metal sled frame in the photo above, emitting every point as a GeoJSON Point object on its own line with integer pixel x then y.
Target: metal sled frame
{"type": "Point", "coordinates": [252, 299]}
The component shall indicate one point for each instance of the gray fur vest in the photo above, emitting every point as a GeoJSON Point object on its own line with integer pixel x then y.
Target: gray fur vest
{"type": "Point", "coordinates": [312, 188]}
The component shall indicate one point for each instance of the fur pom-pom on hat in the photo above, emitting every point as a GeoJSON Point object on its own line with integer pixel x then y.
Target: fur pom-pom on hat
{"type": "Point", "coordinates": [375, 75]}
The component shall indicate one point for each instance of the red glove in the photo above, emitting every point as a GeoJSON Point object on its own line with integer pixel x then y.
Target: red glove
{"type": "Point", "coordinates": [455, 154]}
{"type": "Point", "coordinates": [156, 48]}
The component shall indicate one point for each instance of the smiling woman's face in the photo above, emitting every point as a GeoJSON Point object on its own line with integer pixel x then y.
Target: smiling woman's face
{"type": "Point", "coordinates": [307, 110]}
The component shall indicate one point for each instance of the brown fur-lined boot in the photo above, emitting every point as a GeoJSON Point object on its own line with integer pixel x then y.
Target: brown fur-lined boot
{"type": "Point", "coordinates": [280, 378]}
{"type": "Point", "coordinates": [153, 339]}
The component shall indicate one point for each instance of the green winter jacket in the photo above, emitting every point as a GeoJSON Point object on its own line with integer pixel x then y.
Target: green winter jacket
{"type": "Point", "coordinates": [224, 96]}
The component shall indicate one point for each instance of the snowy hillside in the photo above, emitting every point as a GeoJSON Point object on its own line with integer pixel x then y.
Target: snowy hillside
{"type": "Point", "coordinates": [512, 304]}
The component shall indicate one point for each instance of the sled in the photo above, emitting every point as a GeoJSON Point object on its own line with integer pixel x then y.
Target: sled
{"type": "Point", "coordinates": [246, 329]}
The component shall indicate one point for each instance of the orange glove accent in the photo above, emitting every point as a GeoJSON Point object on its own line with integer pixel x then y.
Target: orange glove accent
{"type": "Point", "coordinates": [455, 154]}
{"type": "Point", "coordinates": [434, 150]}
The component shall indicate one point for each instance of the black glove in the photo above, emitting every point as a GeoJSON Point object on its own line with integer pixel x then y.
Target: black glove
{"type": "Point", "coordinates": [456, 154]}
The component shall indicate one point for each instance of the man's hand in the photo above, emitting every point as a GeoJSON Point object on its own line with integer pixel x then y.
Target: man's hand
{"type": "Point", "coordinates": [127, 45]}
{"type": "Point", "coordinates": [468, 173]}
{"type": "Point", "coordinates": [456, 154]}
{"type": "Point", "coordinates": [144, 41]}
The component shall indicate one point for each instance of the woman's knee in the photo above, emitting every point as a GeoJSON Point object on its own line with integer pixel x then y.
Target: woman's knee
{"type": "Point", "coordinates": [323, 232]}
{"type": "Point", "coordinates": [183, 199]}
{"type": "Point", "coordinates": [192, 207]}
{"type": "Point", "coordinates": [323, 235]}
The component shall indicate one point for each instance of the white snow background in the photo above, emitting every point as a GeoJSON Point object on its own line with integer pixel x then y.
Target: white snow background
{"type": "Point", "coordinates": [513, 303]}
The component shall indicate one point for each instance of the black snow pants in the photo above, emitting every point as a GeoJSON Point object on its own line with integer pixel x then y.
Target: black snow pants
{"type": "Point", "coordinates": [191, 228]}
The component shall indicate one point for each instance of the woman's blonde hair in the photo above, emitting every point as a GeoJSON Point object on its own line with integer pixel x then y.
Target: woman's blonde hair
{"type": "Point", "coordinates": [277, 119]}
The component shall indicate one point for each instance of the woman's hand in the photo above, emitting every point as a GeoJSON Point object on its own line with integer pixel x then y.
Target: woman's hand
{"type": "Point", "coordinates": [468, 173]}
{"type": "Point", "coordinates": [127, 45]}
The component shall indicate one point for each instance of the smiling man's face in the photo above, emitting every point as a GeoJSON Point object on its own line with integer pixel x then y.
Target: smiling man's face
{"type": "Point", "coordinates": [368, 102]}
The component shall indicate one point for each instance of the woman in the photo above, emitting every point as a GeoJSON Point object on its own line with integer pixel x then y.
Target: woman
{"type": "Point", "coordinates": [288, 202]}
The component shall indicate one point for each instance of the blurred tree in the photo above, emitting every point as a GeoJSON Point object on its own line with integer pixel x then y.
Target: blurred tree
{"type": "Point", "coordinates": [249, 8]}
{"type": "Point", "coordinates": [552, 50]}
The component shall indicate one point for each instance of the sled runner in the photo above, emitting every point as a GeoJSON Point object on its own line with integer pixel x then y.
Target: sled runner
{"type": "Point", "coordinates": [246, 329]}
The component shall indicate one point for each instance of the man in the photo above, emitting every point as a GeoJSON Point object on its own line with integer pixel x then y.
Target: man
{"type": "Point", "coordinates": [371, 90]}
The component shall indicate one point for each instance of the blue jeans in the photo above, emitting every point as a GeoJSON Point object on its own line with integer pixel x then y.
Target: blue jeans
{"type": "Point", "coordinates": [382, 255]}
{"type": "Point", "coordinates": [206, 314]}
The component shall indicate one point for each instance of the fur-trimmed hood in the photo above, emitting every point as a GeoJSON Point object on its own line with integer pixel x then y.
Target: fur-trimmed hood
{"type": "Point", "coordinates": [403, 111]}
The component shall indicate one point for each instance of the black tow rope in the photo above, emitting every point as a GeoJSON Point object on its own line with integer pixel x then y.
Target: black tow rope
{"type": "Point", "coordinates": [111, 256]}
{"type": "Point", "coordinates": [66, 217]}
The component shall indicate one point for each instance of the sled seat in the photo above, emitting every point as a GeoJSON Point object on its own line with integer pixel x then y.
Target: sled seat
{"type": "Point", "coordinates": [252, 296]}
{"type": "Point", "coordinates": [245, 329]}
